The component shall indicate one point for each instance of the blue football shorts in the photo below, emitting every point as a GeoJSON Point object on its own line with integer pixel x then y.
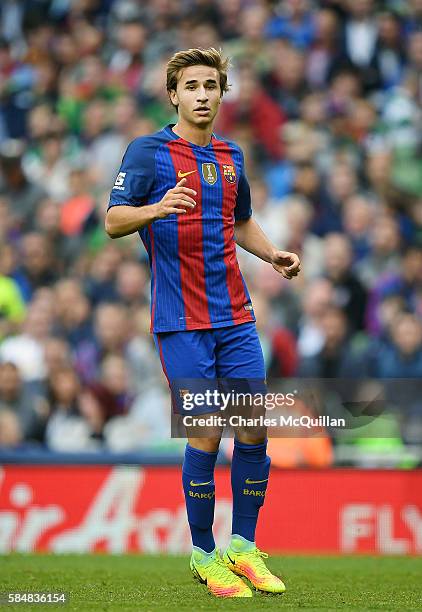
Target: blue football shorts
{"type": "Point", "coordinates": [226, 359]}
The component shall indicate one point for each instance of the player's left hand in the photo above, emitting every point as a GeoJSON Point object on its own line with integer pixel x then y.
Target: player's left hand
{"type": "Point", "coordinates": [287, 264]}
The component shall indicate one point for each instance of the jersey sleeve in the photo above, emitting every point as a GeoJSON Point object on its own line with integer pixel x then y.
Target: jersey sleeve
{"type": "Point", "coordinates": [136, 175]}
{"type": "Point", "coordinates": [243, 208]}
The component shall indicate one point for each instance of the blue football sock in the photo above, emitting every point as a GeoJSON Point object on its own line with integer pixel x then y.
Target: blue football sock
{"type": "Point", "coordinates": [249, 476]}
{"type": "Point", "coordinates": [199, 488]}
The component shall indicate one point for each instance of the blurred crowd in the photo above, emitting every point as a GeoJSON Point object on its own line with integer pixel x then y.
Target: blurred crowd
{"type": "Point", "coordinates": [326, 103]}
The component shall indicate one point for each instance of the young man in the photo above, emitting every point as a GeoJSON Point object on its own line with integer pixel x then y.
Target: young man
{"type": "Point", "coordinates": [186, 192]}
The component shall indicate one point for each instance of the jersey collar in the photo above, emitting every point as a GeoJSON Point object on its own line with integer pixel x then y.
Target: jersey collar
{"type": "Point", "coordinates": [169, 130]}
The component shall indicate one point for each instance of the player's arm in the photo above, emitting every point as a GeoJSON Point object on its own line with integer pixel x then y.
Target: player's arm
{"type": "Point", "coordinates": [250, 237]}
{"type": "Point", "coordinates": [123, 220]}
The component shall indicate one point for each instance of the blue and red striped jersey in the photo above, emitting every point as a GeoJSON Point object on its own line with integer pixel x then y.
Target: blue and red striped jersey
{"type": "Point", "coordinates": [196, 282]}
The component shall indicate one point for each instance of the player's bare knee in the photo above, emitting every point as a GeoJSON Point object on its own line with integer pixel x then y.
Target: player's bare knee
{"type": "Point", "coordinates": [209, 445]}
{"type": "Point", "coordinates": [248, 437]}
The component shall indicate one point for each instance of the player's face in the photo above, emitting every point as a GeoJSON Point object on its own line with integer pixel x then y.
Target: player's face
{"type": "Point", "coordinates": [198, 95]}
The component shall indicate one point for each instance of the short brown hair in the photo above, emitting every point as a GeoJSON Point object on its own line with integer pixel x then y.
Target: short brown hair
{"type": "Point", "coordinates": [197, 57]}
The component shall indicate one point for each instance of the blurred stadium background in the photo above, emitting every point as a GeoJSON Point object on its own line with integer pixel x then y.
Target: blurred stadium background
{"type": "Point", "coordinates": [326, 104]}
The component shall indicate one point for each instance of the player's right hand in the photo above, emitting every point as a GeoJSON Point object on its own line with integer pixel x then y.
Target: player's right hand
{"type": "Point", "coordinates": [176, 200]}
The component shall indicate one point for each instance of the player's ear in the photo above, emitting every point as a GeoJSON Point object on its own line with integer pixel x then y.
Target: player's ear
{"type": "Point", "coordinates": [174, 99]}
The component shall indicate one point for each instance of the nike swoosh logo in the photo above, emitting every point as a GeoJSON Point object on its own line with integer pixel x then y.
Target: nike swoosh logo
{"type": "Point", "coordinates": [198, 575]}
{"type": "Point", "coordinates": [231, 560]}
{"type": "Point", "coordinates": [248, 481]}
{"type": "Point", "coordinates": [199, 484]}
{"type": "Point", "coordinates": [181, 174]}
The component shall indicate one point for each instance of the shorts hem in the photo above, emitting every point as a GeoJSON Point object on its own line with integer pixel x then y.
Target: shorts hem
{"type": "Point", "coordinates": [199, 326]}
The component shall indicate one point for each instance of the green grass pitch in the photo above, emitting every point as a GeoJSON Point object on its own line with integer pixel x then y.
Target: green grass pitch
{"type": "Point", "coordinates": [133, 582]}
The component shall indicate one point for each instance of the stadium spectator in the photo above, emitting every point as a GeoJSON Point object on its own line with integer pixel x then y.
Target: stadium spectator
{"type": "Point", "coordinates": [26, 349]}
{"type": "Point", "coordinates": [384, 254]}
{"type": "Point", "coordinates": [341, 184]}
{"type": "Point", "coordinates": [17, 80]}
{"type": "Point", "coordinates": [131, 284]}
{"type": "Point", "coordinates": [11, 435]}
{"type": "Point", "coordinates": [72, 312]}
{"type": "Point", "coordinates": [297, 221]}
{"type": "Point", "coordinates": [349, 293]}
{"type": "Point", "coordinates": [38, 268]}
{"type": "Point", "coordinates": [316, 298]}
{"type": "Point", "coordinates": [126, 61]}
{"type": "Point", "coordinates": [336, 359]}
{"type": "Point", "coordinates": [249, 44]}
{"type": "Point", "coordinates": [413, 18]}
{"type": "Point", "coordinates": [405, 284]}
{"type": "Point", "coordinates": [286, 81]}
{"type": "Point", "coordinates": [360, 38]}
{"type": "Point", "coordinates": [278, 343]}
{"type": "Point", "coordinates": [358, 214]}
{"type": "Point", "coordinates": [97, 405]}
{"type": "Point", "coordinates": [400, 356]}
{"type": "Point", "coordinates": [296, 24]}
{"type": "Point", "coordinates": [111, 335]}
{"type": "Point", "coordinates": [254, 109]}
{"type": "Point", "coordinates": [390, 54]}
{"type": "Point", "coordinates": [57, 355]}
{"type": "Point", "coordinates": [49, 167]}
{"type": "Point", "coordinates": [16, 186]}
{"type": "Point", "coordinates": [7, 225]}
{"type": "Point", "coordinates": [115, 377]}
{"type": "Point", "coordinates": [66, 429]}
{"type": "Point", "coordinates": [21, 399]}
{"type": "Point", "coordinates": [100, 279]}
{"type": "Point", "coordinates": [322, 55]}
{"type": "Point", "coordinates": [48, 223]}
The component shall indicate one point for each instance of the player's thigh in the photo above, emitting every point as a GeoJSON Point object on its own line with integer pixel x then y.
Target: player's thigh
{"type": "Point", "coordinates": [188, 361]}
{"type": "Point", "coordinates": [239, 353]}
{"type": "Point", "coordinates": [186, 354]}
{"type": "Point", "coordinates": [241, 369]}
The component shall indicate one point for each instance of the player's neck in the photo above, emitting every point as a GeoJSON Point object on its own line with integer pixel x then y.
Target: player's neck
{"type": "Point", "coordinates": [194, 134]}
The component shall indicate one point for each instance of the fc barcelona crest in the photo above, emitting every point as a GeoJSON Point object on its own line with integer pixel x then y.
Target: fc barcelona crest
{"type": "Point", "coordinates": [209, 172]}
{"type": "Point", "coordinates": [229, 173]}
